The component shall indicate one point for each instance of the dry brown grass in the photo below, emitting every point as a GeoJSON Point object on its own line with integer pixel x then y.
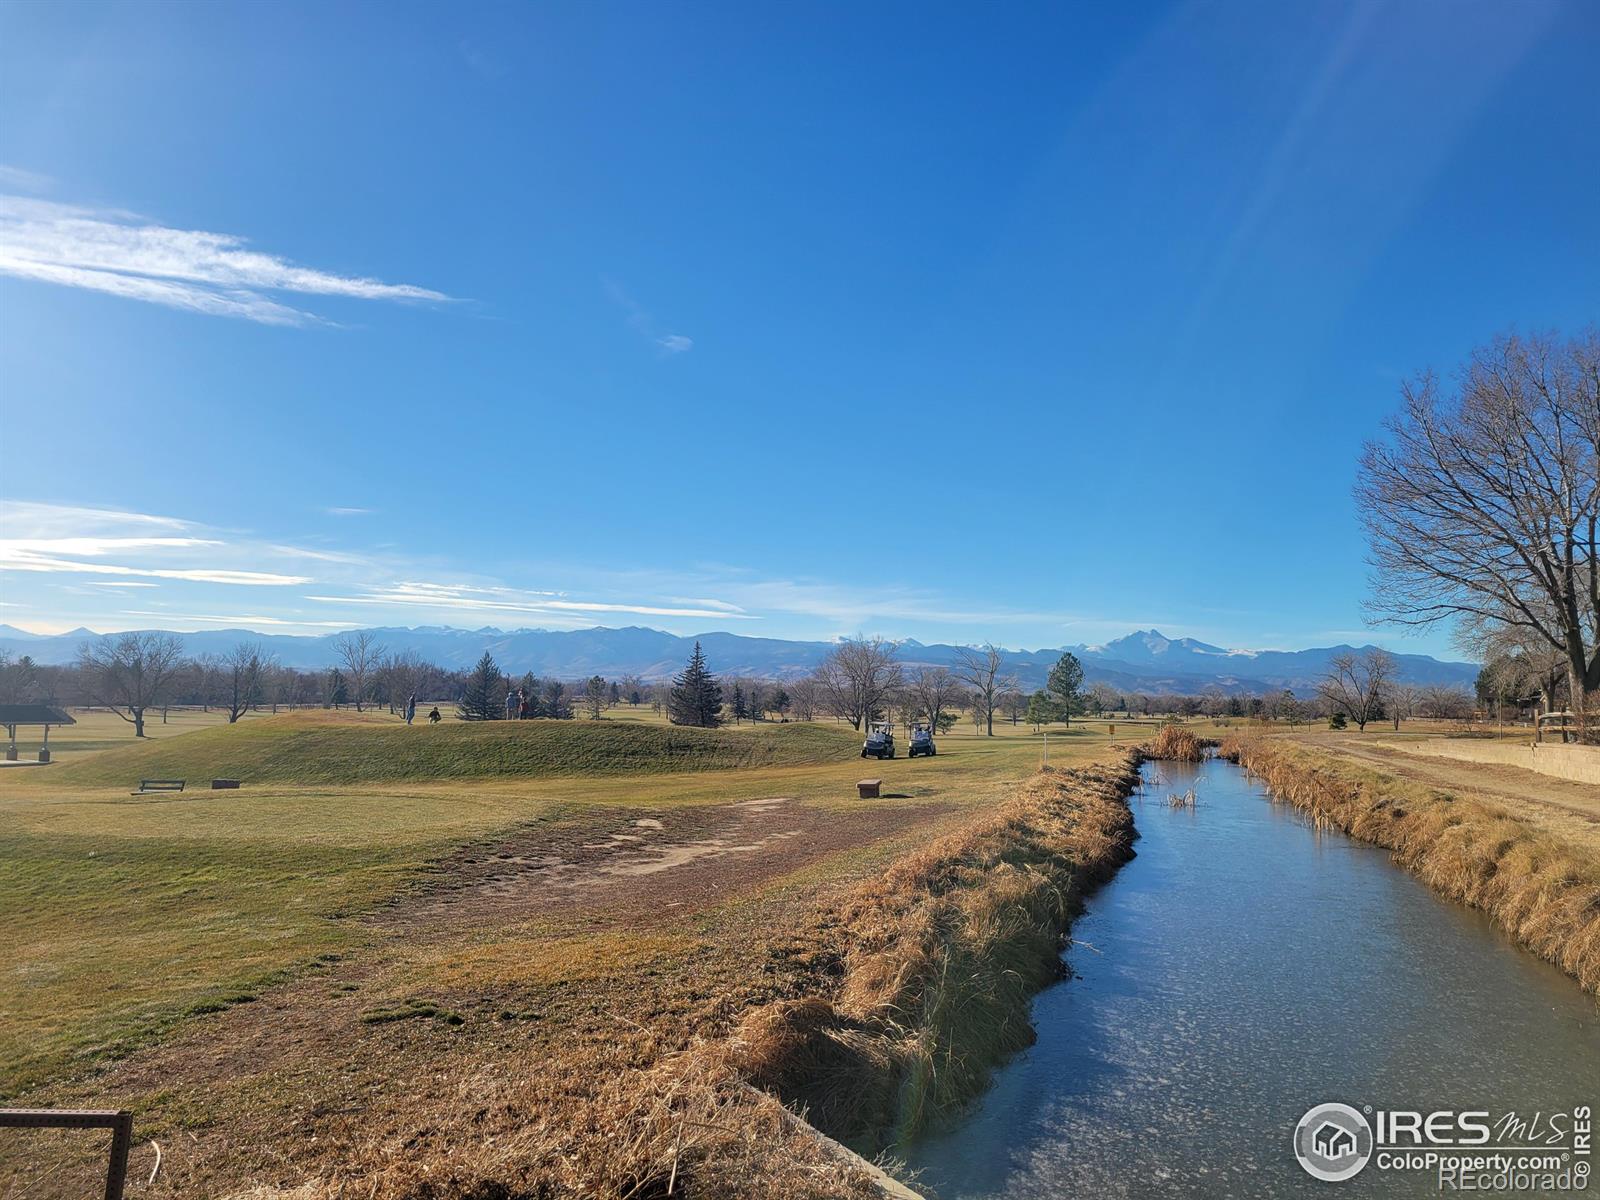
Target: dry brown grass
{"type": "Point", "coordinates": [944, 953]}
{"type": "Point", "coordinates": [872, 1011]}
{"type": "Point", "coordinates": [1178, 744]}
{"type": "Point", "coordinates": [1541, 890]}
{"type": "Point", "coordinates": [688, 1127]}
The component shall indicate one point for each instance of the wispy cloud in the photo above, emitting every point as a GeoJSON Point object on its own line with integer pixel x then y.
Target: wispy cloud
{"type": "Point", "coordinates": [348, 512]}
{"type": "Point", "coordinates": [213, 273]}
{"type": "Point", "coordinates": [643, 323]}
{"type": "Point", "coordinates": [21, 559]}
{"type": "Point", "coordinates": [242, 620]}
{"type": "Point", "coordinates": [24, 180]}
{"type": "Point", "coordinates": [59, 539]}
{"type": "Point", "coordinates": [501, 600]}
{"type": "Point", "coordinates": [64, 520]}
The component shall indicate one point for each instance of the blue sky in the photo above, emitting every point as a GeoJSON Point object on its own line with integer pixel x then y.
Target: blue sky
{"type": "Point", "coordinates": [1036, 324]}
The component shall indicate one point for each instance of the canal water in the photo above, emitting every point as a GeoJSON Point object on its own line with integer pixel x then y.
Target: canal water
{"type": "Point", "coordinates": [1243, 968]}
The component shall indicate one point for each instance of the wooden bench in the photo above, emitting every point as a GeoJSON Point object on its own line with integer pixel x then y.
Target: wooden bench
{"type": "Point", "coordinates": [158, 785]}
{"type": "Point", "coordinates": [869, 788]}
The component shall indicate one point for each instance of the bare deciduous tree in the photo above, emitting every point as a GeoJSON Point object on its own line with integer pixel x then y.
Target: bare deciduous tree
{"type": "Point", "coordinates": [131, 672]}
{"type": "Point", "coordinates": [1104, 698]}
{"type": "Point", "coordinates": [1356, 683]}
{"type": "Point", "coordinates": [979, 667]}
{"type": "Point", "coordinates": [1447, 703]}
{"type": "Point", "coordinates": [1485, 503]}
{"type": "Point", "coordinates": [858, 677]}
{"type": "Point", "coordinates": [244, 671]}
{"type": "Point", "coordinates": [1401, 701]}
{"type": "Point", "coordinates": [360, 653]}
{"type": "Point", "coordinates": [934, 691]}
{"type": "Point", "coordinates": [803, 698]}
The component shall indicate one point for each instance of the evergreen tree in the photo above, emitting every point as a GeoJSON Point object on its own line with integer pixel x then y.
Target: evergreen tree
{"type": "Point", "coordinates": [696, 698]}
{"type": "Point", "coordinates": [594, 697]}
{"type": "Point", "coordinates": [780, 702]}
{"type": "Point", "coordinates": [555, 703]}
{"type": "Point", "coordinates": [483, 698]}
{"type": "Point", "coordinates": [1066, 678]}
{"type": "Point", "coordinates": [532, 689]}
{"type": "Point", "coordinates": [614, 697]}
{"type": "Point", "coordinates": [1041, 709]}
{"type": "Point", "coordinates": [739, 710]}
{"type": "Point", "coordinates": [338, 690]}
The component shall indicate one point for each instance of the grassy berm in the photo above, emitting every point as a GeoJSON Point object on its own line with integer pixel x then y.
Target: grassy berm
{"type": "Point", "coordinates": [319, 749]}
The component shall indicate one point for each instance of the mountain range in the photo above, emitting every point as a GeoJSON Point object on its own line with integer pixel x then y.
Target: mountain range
{"type": "Point", "coordinates": [1144, 661]}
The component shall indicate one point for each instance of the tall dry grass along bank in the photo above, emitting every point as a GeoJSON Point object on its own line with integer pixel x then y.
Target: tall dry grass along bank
{"type": "Point", "coordinates": [1178, 744]}
{"type": "Point", "coordinates": [1537, 887]}
{"type": "Point", "coordinates": [942, 956]}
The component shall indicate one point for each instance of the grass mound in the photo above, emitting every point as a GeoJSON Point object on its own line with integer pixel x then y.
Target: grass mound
{"type": "Point", "coordinates": [328, 749]}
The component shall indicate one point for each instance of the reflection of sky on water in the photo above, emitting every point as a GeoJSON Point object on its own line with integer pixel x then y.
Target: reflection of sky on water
{"type": "Point", "coordinates": [1249, 968]}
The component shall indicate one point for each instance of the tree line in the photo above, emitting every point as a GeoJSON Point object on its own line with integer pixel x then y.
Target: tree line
{"type": "Point", "coordinates": [860, 682]}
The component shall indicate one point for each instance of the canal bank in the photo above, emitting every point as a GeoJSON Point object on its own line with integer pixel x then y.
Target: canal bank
{"type": "Point", "coordinates": [1245, 967]}
{"type": "Point", "coordinates": [1541, 889]}
{"type": "Point", "coordinates": [940, 959]}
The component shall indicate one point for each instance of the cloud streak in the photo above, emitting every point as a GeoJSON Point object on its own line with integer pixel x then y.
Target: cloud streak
{"type": "Point", "coordinates": [641, 321]}
{"type": "Point", "coordinates": [212, 273]}
{"type": "Point", "coordinates": [243, 620]}
{"type": "Point", "coordinates": [500, 600]}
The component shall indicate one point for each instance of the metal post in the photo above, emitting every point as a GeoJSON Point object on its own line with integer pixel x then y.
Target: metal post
{"type": "Point", "coordinates": [121, 1143]}
{"type": "Point", "coordinates": [1047, 749]}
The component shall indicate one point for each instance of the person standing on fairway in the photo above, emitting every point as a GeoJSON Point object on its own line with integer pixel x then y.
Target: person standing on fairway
{"type": "Point", "coordinates": [513, 702]}
{"type": "Point", "coordinates": [411, 708]}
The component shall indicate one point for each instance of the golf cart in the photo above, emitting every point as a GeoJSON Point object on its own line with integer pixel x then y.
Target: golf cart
{"type": "Point", "coordinates": [922, 740]}
{"type": "Point", "coordinates": [880, 741]}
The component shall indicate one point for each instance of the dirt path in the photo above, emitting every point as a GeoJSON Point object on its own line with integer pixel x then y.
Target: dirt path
{"type": "Point", "coordinates": [1571, 810]}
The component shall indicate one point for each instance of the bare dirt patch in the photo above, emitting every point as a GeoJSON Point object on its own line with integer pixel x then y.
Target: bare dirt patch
{"type": "Point", "coordinates": [644, 866]}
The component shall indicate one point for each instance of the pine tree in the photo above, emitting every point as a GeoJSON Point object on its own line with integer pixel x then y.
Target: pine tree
{"type": "Point", "coordinates": [338, 691]}
{"type": "Point", "coordinates": [483, 697]}
{"type": "Point", "coordinates": [739, 711]}
{"type": "Point", "coordinates": [555, 703]}
{"type": "Point", "coordinates": [594, 697]}
{"type": "Point", "coordinates": [531, 689]}
{"type": "Point", "coordinates": [1066, 677]}
{"type": "Point", "coordinates": [1041, 709]}
{"type": "Point", "coordinates": [696, 698]}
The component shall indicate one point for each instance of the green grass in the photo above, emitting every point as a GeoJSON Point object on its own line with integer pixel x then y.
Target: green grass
{"type": "Point", "coordinates": [319, 749]}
